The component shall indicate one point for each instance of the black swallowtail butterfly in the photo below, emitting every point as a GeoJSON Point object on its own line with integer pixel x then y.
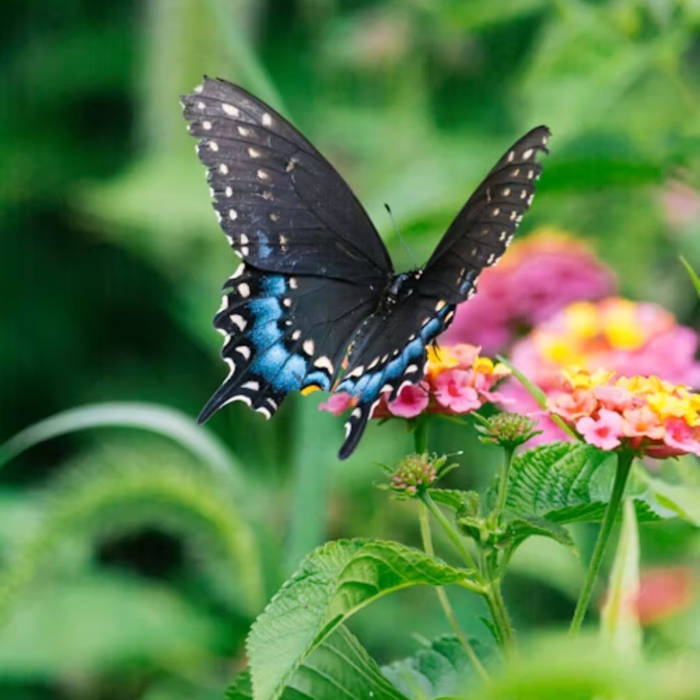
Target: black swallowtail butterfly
{"type": "Point", "coordinates": [315, 302]}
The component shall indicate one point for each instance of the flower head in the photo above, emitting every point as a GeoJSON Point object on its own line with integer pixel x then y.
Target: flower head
{"type": "Point", "coordinates": [536, 278]}
{"type": "Point", "coordinates": [646, 414]}
{"type": "Point", "coordinates": [458, 380]}
{"type": "Point", "coordinates": [417, 472]}
{"type": "Point", "coordinates": [509, 430]}
{"type": "Point", "coordinates": [593, 342]}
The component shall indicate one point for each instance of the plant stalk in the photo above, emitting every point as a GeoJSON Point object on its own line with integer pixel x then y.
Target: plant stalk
{"type": "Point", "coordinates": [444, 600]}
{"type": "Point", "coordinates": [503, 482]}
{"type": "Point", "coordinates": [449, 530]}
{"type": "Point", "coordinates": [624, 463]}
{"type": "Point", "coordinates": [420, 435]}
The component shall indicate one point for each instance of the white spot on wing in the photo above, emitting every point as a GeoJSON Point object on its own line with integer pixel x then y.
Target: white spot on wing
{"type": "Point", "coordinates": [243, 350]}
{"type": "Point", "coordinates": [244, 290]}
{"type": "Point", "coordinates": [232, 214]}
{"type": "Point", "coordinates": [309, 347]}
{"type": "Point", "coordinates": [266, 119]}
{"type": "Point", "coordinates": [239, 321]}
{"type": "Point", "coordinates": [324, 362]}
{"type": "Point", "coordinates": [223, 169]}
{"type": "Point", "coordinates": [230, 110]}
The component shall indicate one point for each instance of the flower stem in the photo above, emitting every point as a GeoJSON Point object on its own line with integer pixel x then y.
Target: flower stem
{"type": "Point", "coordinates": [624, 462]}
{"type": "Point", "coordinates": [420, 435]}
{"type": "Point", "coordinates": [503, 481]}
{"type": "Point", "coordinates": [449, 530]}
{"type": "Point", "coordinates": [442, 596]}
{"type": "Point", "coordinates": [539, 396]}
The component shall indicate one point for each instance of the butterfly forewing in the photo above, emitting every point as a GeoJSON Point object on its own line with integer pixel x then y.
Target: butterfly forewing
{"type": "Point", "coordinates": [482, 230]}
{"type": "Point", "coordinates": [280, 203]}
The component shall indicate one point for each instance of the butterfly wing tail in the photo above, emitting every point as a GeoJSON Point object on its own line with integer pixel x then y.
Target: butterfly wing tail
{"type": "Point", "coordinates": [354, 428]}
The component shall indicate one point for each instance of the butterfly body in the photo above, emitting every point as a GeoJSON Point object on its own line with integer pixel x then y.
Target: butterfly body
{"type": "Point", "coordinates": [316, 303]}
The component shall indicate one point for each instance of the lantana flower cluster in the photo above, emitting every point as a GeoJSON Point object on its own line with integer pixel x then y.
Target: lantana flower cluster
{"type": "Point", "coordinates": [458, 380]}
{"type": "Point", "coordinates": [626, 337]}
{"type": "Point", "coordinates": [536, 277]}
{"type": "Point", "coordinates": [646, 414]}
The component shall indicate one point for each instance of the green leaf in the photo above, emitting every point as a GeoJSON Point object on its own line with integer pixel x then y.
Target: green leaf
{"type": "Point", "coordinates": [692, 274]}
{"type": "Point", "coordinates": [462, 502]}
{"type": "Point", "coordinates": [242, 688]}
{"type": "Point", "coordinates": [565, 482]}
{"type": "Point", "coordinates": [519, 528]}
{"type": "Point", "coordinates": [619, 620]}
{"type": "Point", "coordinates": [680, 500]}
{"type": "Point", "coordinates": [126, 414]}
{"type": "Point", "coordinates": [332, 583]}
{"type": "Point", "coordinates": [340, 667]}
{"type": "Point", "coordinates": [442, 669]}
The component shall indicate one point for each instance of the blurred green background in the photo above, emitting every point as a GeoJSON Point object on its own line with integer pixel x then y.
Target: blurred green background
{"type": "Point", "coordinates": [133, 564]}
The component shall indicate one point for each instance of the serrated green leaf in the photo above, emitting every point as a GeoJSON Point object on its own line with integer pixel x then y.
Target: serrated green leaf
{"type": "Point", "coordinates": [567, 482]}
{"type": "Point", "coordinates": [439, 670]}
{"type": "Point", "coordinates": [519, 528]}
{"type": "Point", "coordinates": [331, 584]}
{"type": "Point", "coordinates": [242, 688]}
{"type": "Point", "coordinates": [462, 502]}
{"type": "Point", "coordinates": [339, 667]}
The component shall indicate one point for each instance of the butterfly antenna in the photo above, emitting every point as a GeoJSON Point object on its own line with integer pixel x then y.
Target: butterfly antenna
{"type": "Point", "coordinates": [401, 238]}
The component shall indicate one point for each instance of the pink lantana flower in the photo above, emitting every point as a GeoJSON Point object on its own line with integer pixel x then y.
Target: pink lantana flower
{"type": "Point", "coordinates": [604, 431]}
{"type": "Point", "coordinates": [412, 400]}
{"type": "Point", "coordinates": [536, 277]}
{"type": "Point", "coordinates": [457, 381]}
{"type": "Point", "coordinates": [618, 336]}
{"type": "Point", "coordinates": [453, 390]}
{"type": "Point", "coordinates": [337, 403]}
{"type": "Point", "coordinates": [645, 414]}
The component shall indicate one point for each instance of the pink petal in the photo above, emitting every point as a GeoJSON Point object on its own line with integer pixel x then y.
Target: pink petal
{"type": "Point", "coordinates": [412, 401]}
{"type": "Point", "coordinates": [337, 403]}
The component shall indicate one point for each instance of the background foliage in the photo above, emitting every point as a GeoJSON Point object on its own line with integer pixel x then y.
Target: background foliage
{"type": "Point", "coordinates": [133, 564]}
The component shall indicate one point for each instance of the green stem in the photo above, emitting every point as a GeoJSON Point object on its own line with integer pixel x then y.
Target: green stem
{"type": "Point", "coordinates": [442, 596]}
{"type": "Point", "coordinates": [539, 396]}
{"type": "Point", "coordinates": [420, 435]}
{"type": "Point", "coordinates": [624, 462]}
{"type": "Point", "coordinates": [449, 530]}
{"type": "Point", "coordinates": [503, 481]}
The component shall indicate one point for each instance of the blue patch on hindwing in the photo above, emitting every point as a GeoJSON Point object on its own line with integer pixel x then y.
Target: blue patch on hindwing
{"type": "Point", "coordinates": [318, 378]}
{"type": "Point", "coordinates": [367, 386]}
{"type": "Point", "coordinates": [285, 371]}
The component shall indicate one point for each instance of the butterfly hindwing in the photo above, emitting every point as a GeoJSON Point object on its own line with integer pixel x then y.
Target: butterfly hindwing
{"type": "Point", "coordinates": [278, 339]}
{"type": "Point", "coordinates": [392, 354]}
